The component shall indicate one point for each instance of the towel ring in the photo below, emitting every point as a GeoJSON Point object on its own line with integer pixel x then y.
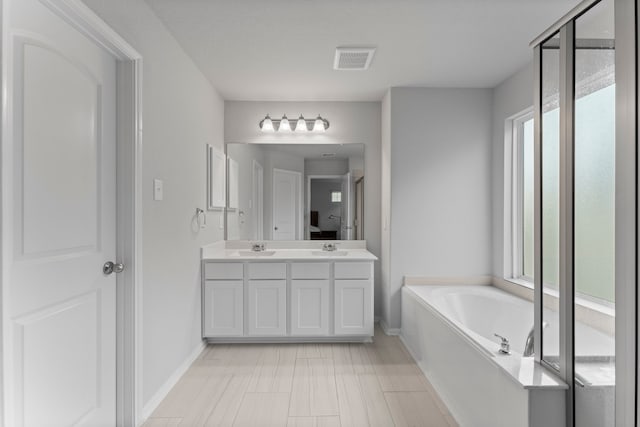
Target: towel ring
{"type": "Point", "coordinates": [201, 218]}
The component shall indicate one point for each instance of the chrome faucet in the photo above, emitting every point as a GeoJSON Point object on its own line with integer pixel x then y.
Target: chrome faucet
{"type": "Point", "coordinates": [505, 347]}
{"type": "Point", "coordinates": [257, 247]}
{"type": "Point", "coordinates": [529, 347]}
{"type": "Point", "coordinates": [330, 247]}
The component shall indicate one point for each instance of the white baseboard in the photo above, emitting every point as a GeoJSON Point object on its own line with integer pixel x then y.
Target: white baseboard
{"type": "Point", "coordinates": [153, 403]}
{"type": "Point", "coordinates": [421, 365]}
{"type": "Point", "coordinates": [387, 330]}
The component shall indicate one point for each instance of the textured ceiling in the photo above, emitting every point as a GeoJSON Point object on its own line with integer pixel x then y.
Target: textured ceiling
{"type": "Point", "coordinates": [283, 49]}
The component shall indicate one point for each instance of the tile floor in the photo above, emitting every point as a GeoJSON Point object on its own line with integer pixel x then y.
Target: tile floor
{"type": "Point", "coordinates": [304, 385]}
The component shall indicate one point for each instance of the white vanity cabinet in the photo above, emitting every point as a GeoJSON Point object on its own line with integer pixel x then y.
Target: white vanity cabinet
{"type": "Point", "coordinates": [287, 300]}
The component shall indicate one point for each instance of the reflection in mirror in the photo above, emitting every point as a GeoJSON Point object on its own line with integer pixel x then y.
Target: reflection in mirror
{"type": "Point", "coordinates": [295, 192]}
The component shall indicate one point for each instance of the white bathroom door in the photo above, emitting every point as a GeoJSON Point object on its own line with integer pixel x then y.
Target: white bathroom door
{"type": "Point", "coordinates": [60, 326]}
{"type": "Point", "coordinates": [286, 204]}
{"type": "Point", "coordinates": [346, 229]}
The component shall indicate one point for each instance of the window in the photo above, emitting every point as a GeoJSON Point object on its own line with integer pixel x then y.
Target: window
{"type": "Point", "coordinates": [336, 196]}
{"type": "Point", "coordinates": [522, 197]}
{"type": "Point", "coordinates": [594, 194]}
{"type": "Point", "coordinates": [594, 181]}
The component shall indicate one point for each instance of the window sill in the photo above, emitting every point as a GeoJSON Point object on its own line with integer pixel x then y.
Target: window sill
{"type": "Point", "coordinates": [586, 302]}
{"type": "Point", "coordinates": [521, 282]}
{"type": "Point", "coordinates": [588, 311]}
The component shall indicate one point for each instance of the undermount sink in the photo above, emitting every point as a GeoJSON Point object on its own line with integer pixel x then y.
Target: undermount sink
{"type": "Point", "coordinates": [329, 253]}
{"type": "Point", "coordinates": [255, 253]}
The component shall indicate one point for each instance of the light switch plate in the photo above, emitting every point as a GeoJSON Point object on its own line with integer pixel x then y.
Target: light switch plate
{"type": "Point", "coordinates": [158, 190]}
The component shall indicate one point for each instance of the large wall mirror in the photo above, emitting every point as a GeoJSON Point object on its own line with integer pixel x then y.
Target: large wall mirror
{"type": "Point", "coordinates": [295, 192]}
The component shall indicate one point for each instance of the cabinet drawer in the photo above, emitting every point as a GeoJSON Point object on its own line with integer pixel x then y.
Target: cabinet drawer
{"type": "Point", "coordinates": [310, 270]}
{"type": "Point", "coordinates": [267, 270]}
{"type": "Point", "coordinates": [223, 271]}
{"type": "Point", "coordinates": [353, 270]}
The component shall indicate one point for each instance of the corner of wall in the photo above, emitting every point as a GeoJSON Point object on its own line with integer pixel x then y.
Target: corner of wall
{"type": "Point", "coordinates": [385, 207]}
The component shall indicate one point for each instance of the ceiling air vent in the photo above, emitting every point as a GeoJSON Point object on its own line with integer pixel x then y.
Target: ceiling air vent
{"type": "Point", "coordinates": [353, 58]}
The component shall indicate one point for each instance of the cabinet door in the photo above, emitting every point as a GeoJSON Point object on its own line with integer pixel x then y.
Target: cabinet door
{"type": "Point", "coordinates": [223, 308]}
{"type": "Point", "coordinates": [354, 307]}
{"type": "Point", "coordinates": [309, 307]}
{"type": "Point", "coordinates": [267, 307]}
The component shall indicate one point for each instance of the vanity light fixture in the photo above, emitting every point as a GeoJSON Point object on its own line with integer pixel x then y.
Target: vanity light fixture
{"type": "Point", "coordinates": [267, 125]}
{"type": "Point", "coordinates": [302, 125]}
{"type": "Point", "coordinates": [284, 125]}
{"type": "Point", "coordinates": [318, 125]}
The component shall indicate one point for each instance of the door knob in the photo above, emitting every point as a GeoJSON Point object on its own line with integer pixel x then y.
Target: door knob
{"type": "Point", "coordinates": [275, 228]}
{"type": "Point", "coordinates": [110, 267]}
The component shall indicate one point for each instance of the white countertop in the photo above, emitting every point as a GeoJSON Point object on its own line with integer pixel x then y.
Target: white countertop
{"type": "Point", "coordinates": [528, 373]}
{"type": "Point", "coordinates": [282, 251]}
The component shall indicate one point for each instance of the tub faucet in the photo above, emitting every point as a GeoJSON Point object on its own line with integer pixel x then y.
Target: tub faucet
{"type": "Point", "coordinates": [529, 344]}
{"type": "Point", "coordinates": [505, 348]}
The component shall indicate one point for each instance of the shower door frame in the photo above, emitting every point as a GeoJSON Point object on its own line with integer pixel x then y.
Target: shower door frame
{"type": "Point", "coordinates": [627, 182]}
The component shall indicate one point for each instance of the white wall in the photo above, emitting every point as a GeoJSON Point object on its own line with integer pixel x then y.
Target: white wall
{"type": "Point", "coordinates": [326, 166]}
{"type": "Point", "coordinates": [385, 209]}
{"type": "Point", "coordinates": [356, 167]}
{"type": "Point", "coordinates": [511, 97]}
{"type": "Point", "coordinates": [181, 114]}
{"type": "Point", "coordinates": [440, 186]}
{"type": "Point", "coordinates": [351, 122]}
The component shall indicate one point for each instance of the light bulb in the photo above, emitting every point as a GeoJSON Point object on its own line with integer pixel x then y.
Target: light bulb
{"type": "Point", "coordinates": [267, 125]}
{"type": "Point", "coordinates": [318, 126]}
{"type": "Point", "coordinates": [284, 125]}
{"type": "Point", "coordinates": [301, 125]}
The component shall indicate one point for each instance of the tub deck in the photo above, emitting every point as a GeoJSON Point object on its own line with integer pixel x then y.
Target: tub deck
{"type": "Point", "coordinates": [480, 386]}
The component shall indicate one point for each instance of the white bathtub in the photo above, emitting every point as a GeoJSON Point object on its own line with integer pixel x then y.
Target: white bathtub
{"type": "Point", "coordinates": [450, 332]}
{"type": "Point", "coordinates": [480, 312]}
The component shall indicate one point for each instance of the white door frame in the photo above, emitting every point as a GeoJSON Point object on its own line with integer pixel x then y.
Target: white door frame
{"type": "Point", "coordinates": [257, 198]}
{"type": "Point", "coordinates": [359, 205]}
{"type": "Point", "coordinates": [128, 216]}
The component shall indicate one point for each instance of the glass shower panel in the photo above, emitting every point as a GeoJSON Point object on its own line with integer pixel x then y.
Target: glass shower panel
{"type": "Point", "coordinates": [594, 209]}
{"type": "Point", "coordinates": [550, 63]}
